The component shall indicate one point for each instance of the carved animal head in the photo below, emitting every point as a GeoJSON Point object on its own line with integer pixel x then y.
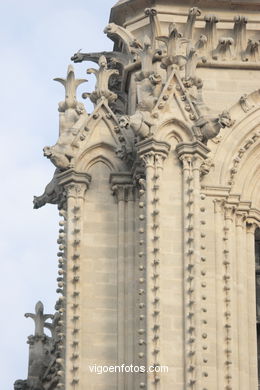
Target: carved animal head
{"type": "Point", "coordinates": [47, 151]}
{"type": "Point", "coordinates": [124, 122]}
{"type": "Point", "coordinates": [20, 385]}
{"type": "Point", "coordinates": [155, 78]}
{"type": "Point", "coordinates": [225, 119]}
{"type": "Point", "coordinates": [77, 57]}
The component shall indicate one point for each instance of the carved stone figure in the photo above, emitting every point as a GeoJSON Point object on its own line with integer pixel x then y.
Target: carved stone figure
{"type": "Point", "coordinates": [53, 193]}
{"type": "Point", "coordinates": [116, 33]}
{"type": "Point", "coordinates": [141, 123]}
{"type": "Point", "coordinates": [20, 385]}
{"type": "Point", "coordinates": [207, 127]}
{"type": "Point", "coordinates": [71, 113]}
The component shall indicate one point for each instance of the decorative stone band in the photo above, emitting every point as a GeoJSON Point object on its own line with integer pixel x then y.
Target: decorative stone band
{"type": "Point", "coordinates": [153, 153]}
{"type": "Point", "coordinates": [75, 185]}
{"type": "Point", "coordinates": [193, 156]}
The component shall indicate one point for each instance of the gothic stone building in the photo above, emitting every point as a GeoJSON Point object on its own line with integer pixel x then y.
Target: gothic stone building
{"type": "Point", "coordinates": [159, 196]}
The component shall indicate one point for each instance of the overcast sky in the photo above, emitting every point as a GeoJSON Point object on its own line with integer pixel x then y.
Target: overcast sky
{"type": "Point", "coordinates": [37, 41]}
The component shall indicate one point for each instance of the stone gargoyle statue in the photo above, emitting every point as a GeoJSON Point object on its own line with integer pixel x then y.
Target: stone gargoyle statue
{"type": "Point", "coordinates": [207, 127]}
{"type": "Point", "coordinates": [72, 116]}
{"type": "Point", "coordinates": [141, 123]}
{"type": "Point", "coordinates": [20, 385]}
{"type": "Point", "coordinates": [53, 193]}
{"type": "Point", "coordinates": [149, 87]}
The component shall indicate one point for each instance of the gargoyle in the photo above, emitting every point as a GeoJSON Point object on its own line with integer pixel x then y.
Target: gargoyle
{"type": "Point", "coordinates": [20, 385]}
{"type": "Point", "coordinates": [53, 193]}
{"type": "Point", "coordinates": [141, 123]}
{"type": "Point", "coordinates": [119, 33]}
{"type": "Point", "coordinates": [112, 57]}
{"type": "Point", "coordinates": [72, 116]}
{"type": "Point", "coordinates": [149, 83]}
{"type": "Point", "coordinates": [148, 91]}
{"type": "Point", "coordinates": [207, 127]}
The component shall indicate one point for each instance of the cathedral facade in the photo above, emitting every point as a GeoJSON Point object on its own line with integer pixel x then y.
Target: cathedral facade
{"type": "Point", "coordinates": [159, 196]}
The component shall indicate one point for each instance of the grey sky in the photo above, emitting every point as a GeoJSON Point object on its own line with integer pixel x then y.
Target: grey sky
{"type": "Point", "coordinates": [37, 41]}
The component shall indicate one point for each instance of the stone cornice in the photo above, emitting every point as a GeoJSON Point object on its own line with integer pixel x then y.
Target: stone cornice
{"type": "Point", "coordinates": [71, 176]}
{"type": "Point", "coordinates": [192, 148]}
{"type": "Point", "coordinates": [151, 145]}
{"type": "Point", "coordinates": [121, 178]}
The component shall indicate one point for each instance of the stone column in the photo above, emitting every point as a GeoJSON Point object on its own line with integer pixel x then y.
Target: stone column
{"type": "Point", "coordinates": [220, 239]}
{"type": "Point", "coordinates": [231, 374]}
{"type": "Point", "coordinates": [242, 297]}
{"type": "Point", "coordinates": [75, 185]}
{"type": "Point", "coordinates": [192, 156]}
{"type": "Point", "coordinates": [251, 226]}
{"type": "Point", "coordinates": [153, 154]}
{"type": "Point", "coordinates": [122, 188]}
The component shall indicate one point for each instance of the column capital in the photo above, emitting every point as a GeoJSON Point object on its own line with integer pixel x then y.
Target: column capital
{"type": "Point", "coordinates": [122, 186]}
{"type": "Point", "coordinates": [252, 225]}
{"type": "Point", "coordinates": [74, 183]}
{"type": "Point", "coordinates": [219, 205]}
{"type": "Point", "coordinates": [194, 149]}
{"type": "Point", "coordinates": [240, 218]}
{"type": "Point", "coordinates": [152, 151]}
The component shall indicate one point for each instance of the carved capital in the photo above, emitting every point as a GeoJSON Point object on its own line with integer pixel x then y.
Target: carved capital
{"type": "Point", "coordinates": [218, 205]}
{"type": "Point", "coordinates": [123, 192]}
{"type": "Point", "coordinates": [153, 152]}
{"type": "Point", "coordinates": [251, 225]}
{"type": "Point", "coordinates": [75, 190]}
{"type": "Point", "coordinates": [74, 183]}
{"type": "Point", "coordinates": [240, 219]}
{"type": "Point", "coordinates": [229, 212]}
{"type": "Point", "coordinates": [122, 186]}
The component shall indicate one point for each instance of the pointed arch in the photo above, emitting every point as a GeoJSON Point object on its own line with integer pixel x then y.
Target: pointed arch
{"type": "Point", "coordinates": [174, 128]}
{"type": "Point", "coordinates": [101, 152]}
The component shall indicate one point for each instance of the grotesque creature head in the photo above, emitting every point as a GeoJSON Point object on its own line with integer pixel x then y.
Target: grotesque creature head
{"type": "Point", "coordinates": [20, 385]}
{"type": "Point", "coordinates": [47, 151]}
{"type": "Point", "coordinates": [225, 119]}
{"type": "Point", "coordinates": [124, 122]}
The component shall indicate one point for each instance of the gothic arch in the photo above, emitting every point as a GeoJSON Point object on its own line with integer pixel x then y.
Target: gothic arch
{"type": "Point", "coordinates": [237, 145]}
{"type": "Point", "coordinates": [174, 128]}
{"type": "Point", "coordinates": [101, 152]}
